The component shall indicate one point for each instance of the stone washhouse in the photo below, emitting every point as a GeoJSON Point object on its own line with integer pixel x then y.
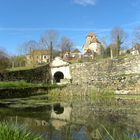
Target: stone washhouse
{"type": "Point", "coordinates": [60, 71]}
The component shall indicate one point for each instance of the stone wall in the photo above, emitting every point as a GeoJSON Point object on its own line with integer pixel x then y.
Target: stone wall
{"type": "Point", "coordinates": [6, 93]}
{"type": "Point", "coordinates": [122, 75]}
{"type": "Point", "coordinates": [35, 75]}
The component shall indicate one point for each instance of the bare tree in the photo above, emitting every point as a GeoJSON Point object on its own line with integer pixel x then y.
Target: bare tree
{"type": "Point", "coordinates": [18, 61]}
{"type": "Point", "coordinates": [4, 60]}
{"type": "Point", "coordinates": [118, 37]}
{"type": "Point", "coordinates": [104, 41]}
{"type": "Point", "coordinates": [113, 50]}
{"type": "Point", "coordinates": [28, 46]}
{"type": "Point", "coordinates": [49, 41]}
{"type": "Point", "coordinates": [137, 35]}
{"type": "Point", "coordinates": [65, 45]}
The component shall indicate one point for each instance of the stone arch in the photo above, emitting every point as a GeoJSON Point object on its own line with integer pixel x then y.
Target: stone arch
{"type": "Point", "coordinates": [58, 76]}
{"type": "Point", "coordinates": [58, 109]}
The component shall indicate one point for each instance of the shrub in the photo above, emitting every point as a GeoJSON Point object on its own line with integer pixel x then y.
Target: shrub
{"type": "Point", "coordinates": [8, 132]}
{"type": "Point", "coordinates": [4, 60]}
{"type": "Point", "coordinates": [21, 83]}
{"type": "Point", "coordinates": [103, 96]}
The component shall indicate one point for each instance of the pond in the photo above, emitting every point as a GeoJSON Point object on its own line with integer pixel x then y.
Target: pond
{"type": "Point", "coordinates": [74, 118]}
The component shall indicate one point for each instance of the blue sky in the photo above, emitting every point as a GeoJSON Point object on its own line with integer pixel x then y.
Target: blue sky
{"type": "Point", "coordinates": [23, 20]}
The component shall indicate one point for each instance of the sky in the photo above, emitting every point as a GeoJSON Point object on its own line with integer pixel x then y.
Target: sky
{"type": "Point", "coordinates": [24, 20]}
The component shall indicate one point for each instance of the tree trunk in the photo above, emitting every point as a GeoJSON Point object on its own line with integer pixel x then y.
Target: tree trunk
{"type": "Point", "coordinates": [111, 53]}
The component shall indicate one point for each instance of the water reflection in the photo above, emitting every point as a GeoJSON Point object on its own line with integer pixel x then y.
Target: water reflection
{"type": "Point", "coordinates": [61, 112]}
{"type": "Point", "coordinates": [80, 120]}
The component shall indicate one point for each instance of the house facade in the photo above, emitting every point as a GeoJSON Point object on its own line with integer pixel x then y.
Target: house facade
{"type": "Point", "coordinates": [37, 57]}
{"type": "Point", "coordinates": [135, 50]}
{"type": "Point", "coordinates": [76, 54]}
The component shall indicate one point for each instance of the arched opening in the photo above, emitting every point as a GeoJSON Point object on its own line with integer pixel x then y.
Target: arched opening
{"type": "Point", "coordinates": [58, 76]}
{"type": "Point", "coordinates": [58, 109]}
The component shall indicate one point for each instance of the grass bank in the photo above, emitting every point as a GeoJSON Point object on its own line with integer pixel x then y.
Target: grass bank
{"type": "Point", "coordinates": [23, 84]}
{"type": "Point", "coordinates": [25, 67]}
{"type": "Point", "coordinates": [9, 132]}
{"type": "Point", "coordinates": [18, 89]}
{"type": "Point", "coordinates": [17, 84]}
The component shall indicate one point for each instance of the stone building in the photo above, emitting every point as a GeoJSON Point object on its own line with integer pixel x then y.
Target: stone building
{"type": "Point", "coordinates": [72, 55]}
{"type": "Point", "coordinates": [76, 54]}
{"type": "Point", "coordinates": [135, 50]}
{"type": "Point", "coordinates": [60, 71]}
{"type": "Point", "coordinates": [92, 45]}
{"type": "Point", "coordinates": [37, 57]}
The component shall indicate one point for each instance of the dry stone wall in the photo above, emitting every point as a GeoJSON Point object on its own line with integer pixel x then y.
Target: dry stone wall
{"type": "Point", "coordinates": [122, 75]}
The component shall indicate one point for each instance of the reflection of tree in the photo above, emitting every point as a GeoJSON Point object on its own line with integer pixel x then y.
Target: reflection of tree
{"type": "Point", "coordinates": [106, 125]}
{"type": "Point", "coordinates": [88, 119]}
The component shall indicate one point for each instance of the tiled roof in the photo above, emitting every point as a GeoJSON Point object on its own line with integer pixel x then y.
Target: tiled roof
{"type": "Point", "coordinates": [91, 34]}
{"type": "Point", "coordinates": [40, 52]}
{"type": "Point", "coordinates": [76, 51]}
{"type": "Point", "coordinates": [136, 47]}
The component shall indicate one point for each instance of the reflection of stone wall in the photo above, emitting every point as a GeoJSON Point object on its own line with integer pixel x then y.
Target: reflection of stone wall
{"type": "Point", "coordinates": [21, 92]}
{"type": "Point", "coordinates": [122, 74]}
{"type": "Point", "coordinates": [63, 116]}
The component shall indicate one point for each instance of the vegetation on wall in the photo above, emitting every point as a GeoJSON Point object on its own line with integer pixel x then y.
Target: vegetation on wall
{"type": "Point", "coordinates": [34, 75]}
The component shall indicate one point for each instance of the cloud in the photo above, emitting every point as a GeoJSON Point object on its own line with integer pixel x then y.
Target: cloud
{"type": "Point", "coordinates": [10, 29]}
{"type": "Point", "coordinates": [21, 29]}
{"type": "Point", "coordinates": [85, 2]}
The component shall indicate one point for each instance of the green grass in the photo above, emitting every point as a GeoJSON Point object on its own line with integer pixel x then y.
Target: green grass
{"type": "Point", "coordinates": [23, 84]}
{"type": "Point", "coordinates": [21, 68]}
{"type": "Point", "coordinates": [16, 84]}
{"type": "Point", "coordinates": [114, 134]}
{"type": "Point", "coordinates": [26, 67]}
{"type": "Point", "coordinates": [9, 132]}
{"type": "Point", "coordinates": [102, 94]}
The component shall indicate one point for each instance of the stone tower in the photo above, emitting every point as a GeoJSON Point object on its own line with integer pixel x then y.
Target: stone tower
{"type": "Point", "coordinates": [91, 44]}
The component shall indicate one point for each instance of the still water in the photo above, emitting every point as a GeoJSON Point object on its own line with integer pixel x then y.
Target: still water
{"type": "Point", "coordinates": [76, 118]}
